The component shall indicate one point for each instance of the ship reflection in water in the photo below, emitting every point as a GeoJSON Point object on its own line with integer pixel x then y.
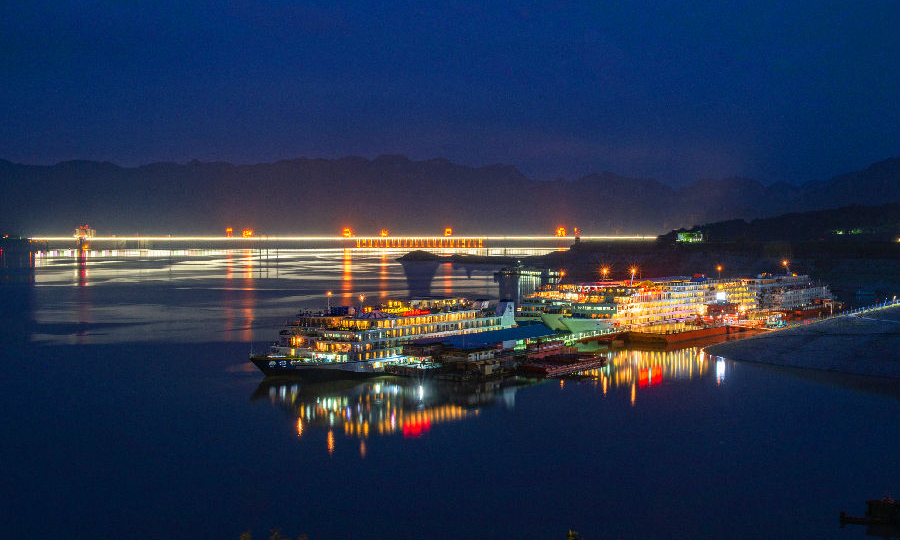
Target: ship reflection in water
{"type": "Point", "coordinates": [639, 370]}
{"type": "Point", "coordinates": [384, 406]}
{"type": "Point", "coordinates": [408, 407]}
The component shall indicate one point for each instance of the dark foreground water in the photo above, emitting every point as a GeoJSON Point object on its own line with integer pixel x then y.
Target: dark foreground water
{"type": "Point", "coordinates": [130, 411]}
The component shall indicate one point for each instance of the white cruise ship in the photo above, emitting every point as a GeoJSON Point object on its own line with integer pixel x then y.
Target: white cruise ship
{"type": "Point", "coordinates": [347, 341]}
{"type": "Point", "coordinates": [605, 306]}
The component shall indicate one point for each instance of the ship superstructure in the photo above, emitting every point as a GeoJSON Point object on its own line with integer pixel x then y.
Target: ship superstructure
{"type": "Point", "coordinates": [786, 292]}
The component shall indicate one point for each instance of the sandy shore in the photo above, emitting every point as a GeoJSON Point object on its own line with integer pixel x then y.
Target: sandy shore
{"type": "Point", "coordinates": [864, 344]}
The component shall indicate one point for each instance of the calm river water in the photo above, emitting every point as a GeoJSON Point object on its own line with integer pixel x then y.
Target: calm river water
{"type": "Point", "coordinates": [130, 411]}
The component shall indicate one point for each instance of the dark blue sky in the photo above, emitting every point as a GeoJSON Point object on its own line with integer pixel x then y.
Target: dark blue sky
{"type": "Point", "coordinates": [673, 90]}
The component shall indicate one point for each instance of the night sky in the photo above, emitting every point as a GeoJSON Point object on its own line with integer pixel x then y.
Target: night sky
{"type": "Point", "coordinates": [780, 90]}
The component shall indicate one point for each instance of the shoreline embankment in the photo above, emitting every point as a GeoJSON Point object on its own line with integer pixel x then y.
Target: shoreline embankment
{"type": "Point", "coordinates": [866, 343]}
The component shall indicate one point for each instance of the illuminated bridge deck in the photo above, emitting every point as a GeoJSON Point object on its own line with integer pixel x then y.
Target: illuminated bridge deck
{"type": "Point", "coordinates": [354, 242]}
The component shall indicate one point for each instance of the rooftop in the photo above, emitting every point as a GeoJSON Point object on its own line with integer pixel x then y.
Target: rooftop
{"type": "Point", "coordinates": [479, 340]}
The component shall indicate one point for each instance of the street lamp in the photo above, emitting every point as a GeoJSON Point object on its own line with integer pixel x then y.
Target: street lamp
{"type": "Point", "coordinates": [719, 270]}
{"type": "Point", "coordinates": [787, 269]}
{"type": "Point", "coordinates": [328, 300]}
{"type": "Point", "coordinates": [605, 272]}
{"type": "Point", "coordinates": [362, 298]}
{"type": "Point", "coordinates": [633, 272]}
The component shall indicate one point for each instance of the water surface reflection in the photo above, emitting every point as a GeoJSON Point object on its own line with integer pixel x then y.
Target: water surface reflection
{"type": "Point", "coordinates": [411, 407]}
{"type": "Point", "coordinates": [386, 405]}
{"type": "Point", "coordinates": [636, 369]}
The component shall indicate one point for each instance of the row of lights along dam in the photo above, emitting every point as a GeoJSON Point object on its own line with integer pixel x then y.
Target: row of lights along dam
{"type": "Point", "coordinates": [85, 235]}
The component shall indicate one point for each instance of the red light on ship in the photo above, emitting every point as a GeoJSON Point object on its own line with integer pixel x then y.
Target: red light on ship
{"type": "Point", "coordinates": [414, 312]}
{"type": "Point", "coordinates": [229, 232]}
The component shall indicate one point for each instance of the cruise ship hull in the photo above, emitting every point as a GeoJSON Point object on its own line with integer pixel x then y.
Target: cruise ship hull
{"type": "Point", "coordinates": [315, 371]}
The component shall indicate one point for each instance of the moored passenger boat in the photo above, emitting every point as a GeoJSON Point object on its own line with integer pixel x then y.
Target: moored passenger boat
{"type": "Point", "coordinates": [650, 304]}
{"type": "Point", "coordinates": [359, 342]}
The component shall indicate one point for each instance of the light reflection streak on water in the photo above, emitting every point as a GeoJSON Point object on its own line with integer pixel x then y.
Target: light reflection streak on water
{"type": "Point", "coordinates": [247, 258]}
{"type": "Point", "coordinates": [347, 276]}
{"type": "Point", "coordinates": [447, 280]}
{"type": "Point", "coordinates": [248, 299]}
{"type": "Point", "coordinates": [228, 319]}
{"type": "Point", "coordinates": [83, 299]}
{"type": "Point", "coordinates": [645, 370]}
{"type": "Point", "coordinates": [382, 275]}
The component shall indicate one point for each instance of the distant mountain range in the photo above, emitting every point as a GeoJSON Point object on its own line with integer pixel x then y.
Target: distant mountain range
{"type": "Point", "coordinates": [321, 196]}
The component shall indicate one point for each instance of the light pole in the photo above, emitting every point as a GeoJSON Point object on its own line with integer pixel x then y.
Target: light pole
{"type": "Point", "coordinates": [605, 272]}
{"type": "Point", "coordinates": [328, 300]}
{"type": "Point", "coordinates": [633, 272]}
{"type": "Point", "coordinates": [787, 269]}
{"type": "Point", "coordinates": [362, 298]}
{"type": "Point", "coordinates": [719, 270]}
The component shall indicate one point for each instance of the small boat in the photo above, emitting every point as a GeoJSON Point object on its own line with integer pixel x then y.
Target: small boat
{"type": "Point", "coordinates": [562, 364]}
{"type": "Point", "coordinates": [884, 513]}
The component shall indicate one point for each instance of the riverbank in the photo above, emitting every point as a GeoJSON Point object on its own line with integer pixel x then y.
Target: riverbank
{"type": "Point", "coordinates": [864, 344]}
